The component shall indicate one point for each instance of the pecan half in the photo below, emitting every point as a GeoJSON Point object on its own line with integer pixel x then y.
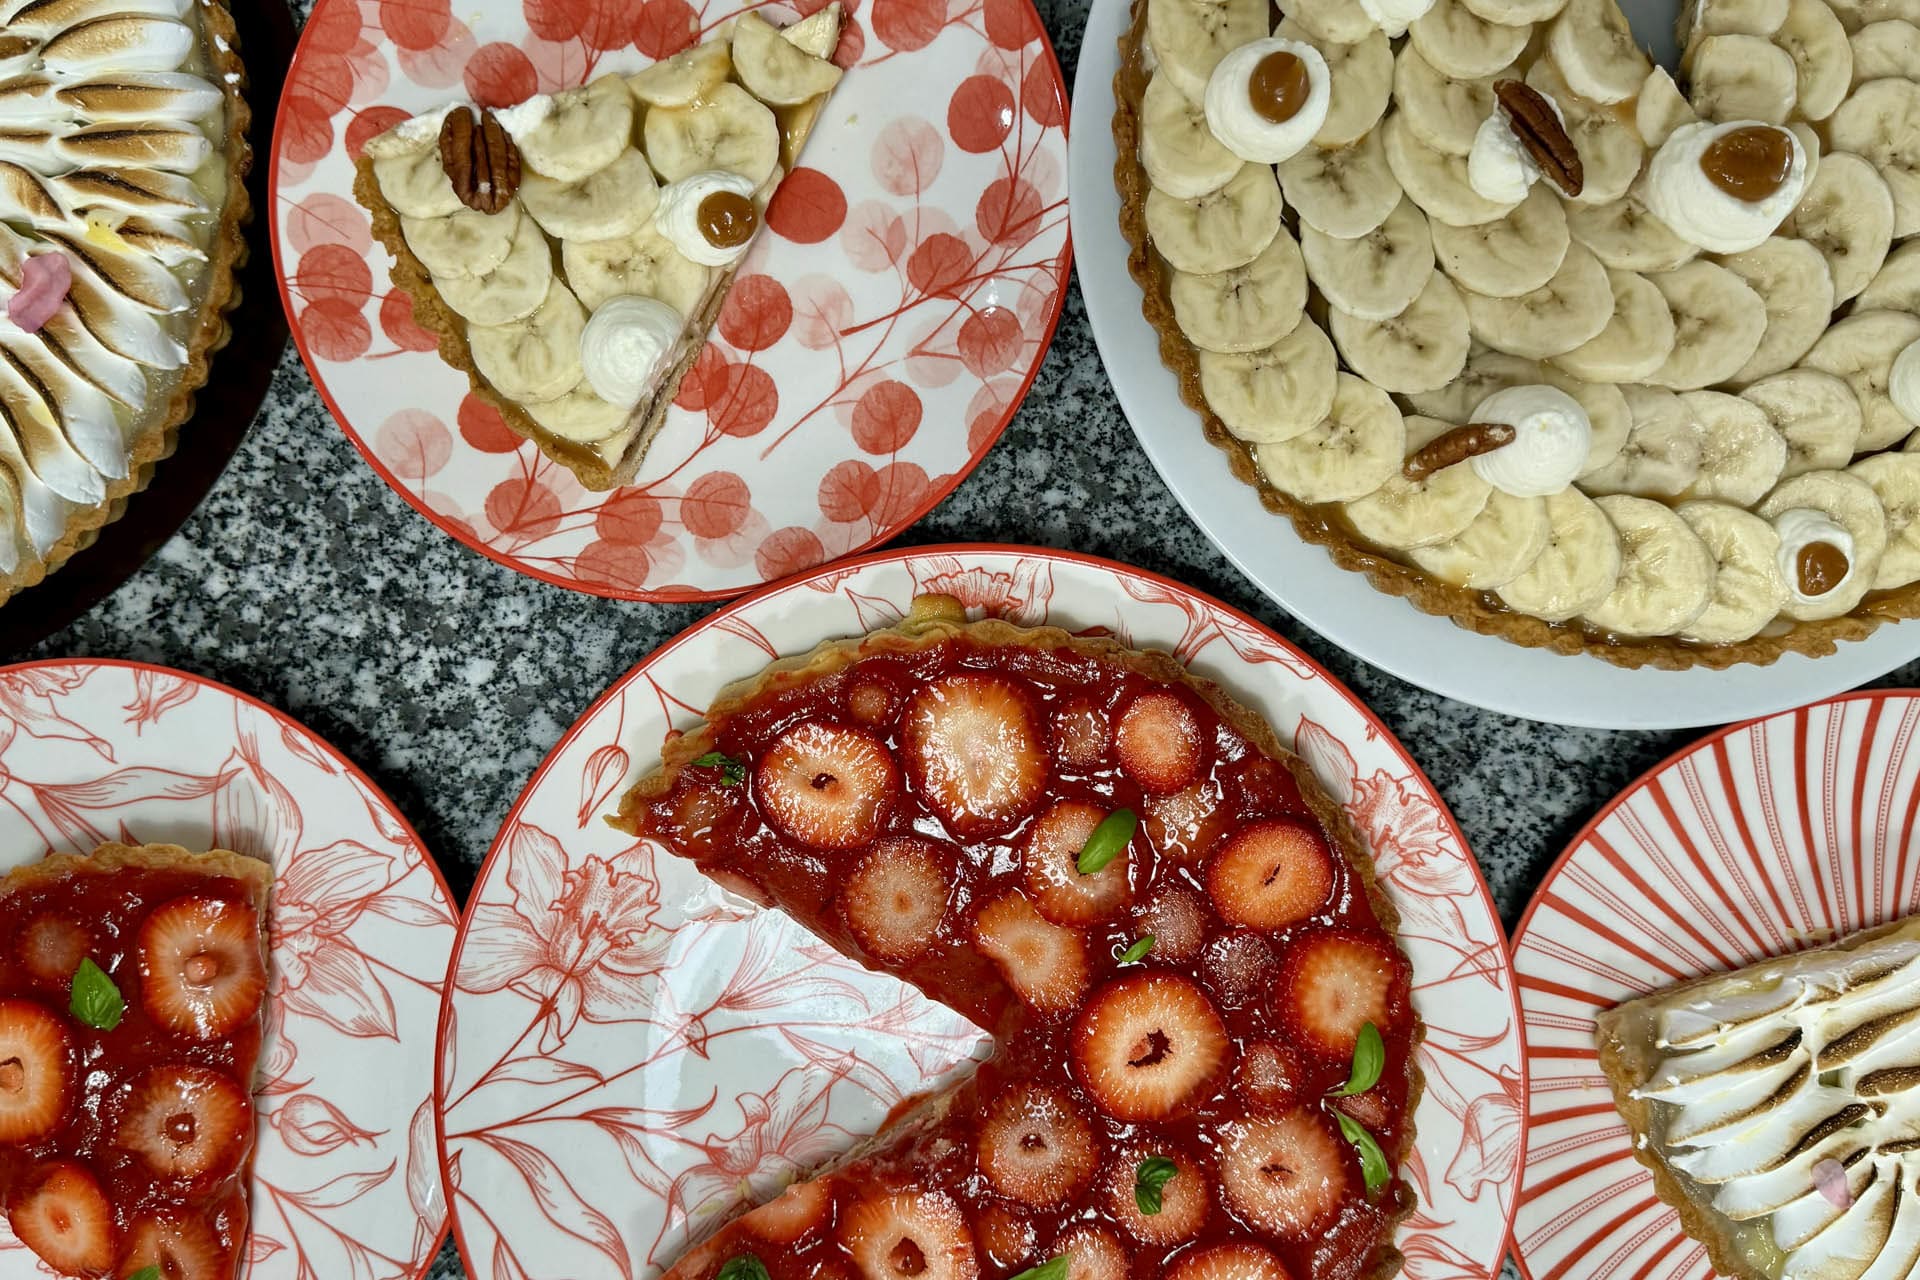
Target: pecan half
{"type": "Point", "coordinates": [1533, 121]}
{"type": "Point", "coordinates": [480, 159]}
{"type": "Point", "coordinates": [1456, 446]}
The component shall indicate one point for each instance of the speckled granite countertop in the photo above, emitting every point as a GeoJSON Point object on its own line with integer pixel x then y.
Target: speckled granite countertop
{"type": "Point", "coordinates": [306, 581]}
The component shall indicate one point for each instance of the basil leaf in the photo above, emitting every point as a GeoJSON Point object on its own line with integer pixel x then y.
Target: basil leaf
{"type": "Point", "coordinates": [95, 1000]}
{"type": "Point", "coordinates": [1369, 1057]}
{"type": "Point", "coordinates": [732, 774]}
{"type": "Point", "coordinates": [147, 1273]}
{"type": "Point", "coordinates": [1152, 1174]}
{"type": "Point", "coordinates": [1138, 951]}
{"type": "Point", "coordinates": [742, 1266]}
{"type": "Point", "coordinates": [1373, 1161]}
{"type": "Point", "coordinates": [1054, 1268]}
{"type": "Point", "coordinates": [1107, 841]}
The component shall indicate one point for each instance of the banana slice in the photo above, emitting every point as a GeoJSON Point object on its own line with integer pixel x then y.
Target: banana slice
{"type": "Point", "coordinates": [1637, 340]}
{"type": "Point", "coordinates": [1436, 181]}
{"type": "Point", "coordinates": [1376, 275]}
{"type": "Point", "coordinates": [1244, 308]}
{"type": "Point", "coordinates": [572, 134]}
{"type": "Point", "coordinates": [1810, 145]}
{"type": "Point", "coordinates": [1880, 123]}
{"type": "Point", "coordinates": [1792, 279]}
{"type": "Point", "coordinates": [1340, 21]}
{"type": "Point", "coordinates": [1463, 45]}
{"type": "Point", "coordinates": [616, 201]}
{"type": "Point", "coordinates": [1661, 454]}
{"type": "Point", "coordinates": [817, 34]}
{"type": "Point", "coordinates": [1488, 371]}
{"type": "Point", "coordinates": [1359, 82]}
{"type": "Point", "coordinates": [1815, 412]}
{"type": "Point", "coordinates": [537, 358]}
{"type": "Point", "coordinates": [1741, 78]}
{"type": "Point", "coordinates": [1343, 191]}
{"type": "Point", "coordinates": [1847, 214]}
{"type": "Point", "coordinates": [1896, 285]}
{"type": "Point", "coordinates": [1573, 306]}
{"type": "Point", "coordinates": [1514, 12]}
{"type": "Point", "coordinates": [1594, 49]}
{"type": "Point", "coordinates": [1895, 479]}
{"type": "Point", "coordinates": [465, 242]}
{"type": "Point", "coordinates": [1741, 455]}
{"type": "Point", "coordinates": [1509, 256]}
{"type": "Point", "coordinates": [1222, 229]}
{"type": "Point", "coordinates": [1748, 589]}
{"type": "Point", "coordinates": [1578, 568]}
{"type": "Point", "coordinates": [1502, 542]}
{"type": "Point", "coordinates": [1883, 50]}
{"type": "Point", "coordinates": [1822, 57]}
{"type": "Point", "coordinates": [1421, 349]}
{"type": "Point", "coordinates": [416, 185]}
{"type": "Point", "coordinates": [1189, 37]}
{"type": "Point", "coordinates": [644, 263]}
{"type": "Point", "coordinates": [1177, 148]}
{"type": "Point", "coordinates": [1734, 17]}
{"type": "Point", "coordinates": [1404, 513]}
{"type": "Point", "coordinates": [511, 291]}
{"type": "Point", "coordinates": [1660, 108]}
{"type": "Point", "coordinates": [1609, 145]}
{"type": "Point", "coordinates": [1269, 396]}
{"type": "Point", "coordinates": [686, 76]}
{"type": "Point", "coordinates": [1354, 450]}
{"type": "Point", "coordinates": [1625, 235]}
{"type": "Point", "coordinates": [776, 71]}
{"type": "Point", "coordinates": [1860, 350]}
{"type": "Point", "coordinates": [1666, 571]}
{"type": "Point", "coordinates": [580, 415]}
{"type": "Point", "coordinates": [730, 129]}
{"type": "Point", "coordinates": [1850, 502]}
{"type": "Point", "coordinates": [1855, 14]}
{"type": "Point", "coordinates": [1718, 323]}
{"type": "Point", "coordinates": [1443, 112]}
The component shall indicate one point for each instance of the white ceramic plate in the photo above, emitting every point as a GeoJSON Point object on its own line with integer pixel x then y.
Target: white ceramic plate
{"type": "Point", "coordinates": [1385, 630]}
{"type": "Point", "coordinates": [345, 1183]}
{"type": "Point", "coordinates": [628, 1055]}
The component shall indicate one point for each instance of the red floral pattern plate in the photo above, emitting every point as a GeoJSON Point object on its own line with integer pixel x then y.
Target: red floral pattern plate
{"type": "Point", "coordinates": [874, 346]}
{"type": "Point", "coordinates": [1761, 839]}
{"type": "Point", "coordinates": [345, 1180]}
{"type": "Point", "coordinates": [629, 1055]}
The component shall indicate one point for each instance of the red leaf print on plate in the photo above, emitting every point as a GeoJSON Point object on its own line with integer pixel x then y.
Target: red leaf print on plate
{"type": "Point", "coordinates": [706, 379]}
{"type": "Point", "coordinates": [886, 417]}
{"type": "Point", "coordinates": [1010, 24]}
{"type": "Point", "coordinates": [849, 492]}
{"type": "Point", "coordinates": [715, 505]}
{"type": "Point", "coordinates": [333, 272]}
{"type": "Point", "coordinates": [906, 25]}
{"type": "Point", "coordinates": [336, 330]}
{"type": "Point", "coordinates": [414, 443]}
{"type": "Point", "coordinates": [441, 66]}
{"type": "Point", "coordinates": [620, 562]}
{"type": "Point", "coordinates": [665, 27]}
{"type": "Point", "coordinates": [334, 27]}
{"type": "Point", "coordinates": [1008, 212]}
{"type": "Point", "coordinates": [756, 313]}
{"type": "Point", "coordinates": [907, 156]}
{"type": "Point", "coordinates": [980, 113]}
{"type": "Point", "coordinates": [482, 427]}
{"type": "Point", "coordinates": [555, 19]}
{"type": "Point", "coordinates": [989, 341]}
{"type": "Point", "coordinates": [940, 265]}
{"type": "Point", "coordinates": [788, 551]}
{"type": "Point", "coordinates": [525, 508]}
{"type": "Point", "coordinates": [154, 694]}
{"type": "Point", "coordinates": [745, 402]}
{"type": "Point", "coordinates": [397, 322]}
{"type": "Point", "coordinates": [630, 516]}
{"type": "Point", "coordinates": [312, 1126]}
{"type": "Point", "coordinates": [807, 206]}
{"type": "Point", "coordinates": [903, 489]}
{"type": "Point", "coordinates": [822, 309]}
{"type": "Point", "coordinates": [500, 75]}
{"type": "Point", "coordinates": [416, 24]}
{"type": "Point", "coordinates": [606, 767]}
{"type": "Point", "coordinates": [874, 236]}
{"type": "Point", "coordinates": [370, 123]}
{"type": "Point", "coordinates": [1040, 95]}
{"type": "Point", "coordinates": [327, 219]}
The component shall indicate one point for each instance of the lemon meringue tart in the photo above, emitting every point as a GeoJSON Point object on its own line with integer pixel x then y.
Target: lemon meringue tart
{"type": "Point", "coordinates": [123, 149]}
{"type": "Point", "coordinates": [572, 252]}
{"type": "Point", "coordinates": [1779, 1107]}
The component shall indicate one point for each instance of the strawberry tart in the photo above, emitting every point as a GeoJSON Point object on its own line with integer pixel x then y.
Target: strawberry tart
{"type": "Point", "coordinates": [1205, 1041]}
{"type": "Point", "coordinates": [131, 990]}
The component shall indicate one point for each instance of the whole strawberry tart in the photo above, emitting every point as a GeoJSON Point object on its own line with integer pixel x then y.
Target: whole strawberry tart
{"type": "Point", "coordinates": [1204, 1064]}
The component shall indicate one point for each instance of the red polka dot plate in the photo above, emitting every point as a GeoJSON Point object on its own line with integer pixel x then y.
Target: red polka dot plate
{"type": "Point", "coordinates": [629, 1055]}
{"type": "Point", "coordinates": [876, 342]}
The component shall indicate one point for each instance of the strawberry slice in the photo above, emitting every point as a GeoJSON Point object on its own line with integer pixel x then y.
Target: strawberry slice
{"type": "Point", "coordinates": [1287, 1176]}
{"type": "Point", "coordinates": [1146, 1044]}
{"type": "Point", "coordinates": [909, 1235]}
{"type": "Point", "coordinates": [1159, 741]}
{"type": "Point", "coordinates": [973, 744]}
{"type": "Point", "coordinates": [186, 1122]}
{"type": "Point", "coordinates": [1080, 733]}
{"type": "Point", "coordinates": [1371, 1108]}
{"type": "Point", "coordinates": [872, 699]}
{"type": "Point", "coordinates": [1240, 969]}
{"type": "Point", "coordinates": [1176, 918]}
{"type": "Point", "coordinates": [65, 1219]}
{"type": "Point", "coordinates": [1050, 859]}
{"type": "Point", "coordinates": [183, 1247]}
{"type": "Point", "coordinates": [1005, 1237]}
{"type": "Point", "coordinates": [895, 898]}
{"type": "Point", "coordinates": [1034, 1147]}
{"type": "Point", "coordinates": [1184, 1198]}
{"type": "Point", "coordinates": [1268, 1077]}
{"type": "Point", "coordinates": [34, 1054]}
{"type": "Point", "coordinates": [1092, 1254]}
{"type": "Point", "coordinates": [791, 1214]}
{"type": "Point", "coordinates": [51, 947]}
{"type": "Point", "coordinates": [1235, 1260]}
{"type": "Point", "coordinates": [201, 974]}
{"type": "Point", "coordinates": [1335, 981]}
{"type": "Point", "coordinates": [1045, 963]}
{"type": "Point", "coordinates": [1271, 874]}
{"type": "Point", "coordinates": [1185, 825]}
{"type": "Point", "coordinates": [827, 785]}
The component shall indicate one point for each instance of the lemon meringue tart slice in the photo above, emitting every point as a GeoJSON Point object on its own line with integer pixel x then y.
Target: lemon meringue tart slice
{"type": "Point", "coordinates": [123, 149]}
{"type": "Point", "coordinates": [1779, 1107]}
{"type": "Point", "coordinates": [572, 252]}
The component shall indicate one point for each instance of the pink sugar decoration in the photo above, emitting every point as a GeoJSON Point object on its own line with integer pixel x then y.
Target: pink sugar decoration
{"type": "Point", "coordinates": [1830, 1179]}
{"type": "Point", "coordinates": [44, 282]}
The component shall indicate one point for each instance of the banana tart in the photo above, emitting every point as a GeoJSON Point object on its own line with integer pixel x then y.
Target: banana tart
{"type": "Point", "coordinates": [1778, 1108]}
{"type": "Point", "coordinates": [1206, 1044]}
{"type": "Point", "coordinates": [1530, 333]}
{"type": "Point", "coordinates": [572, 252]}
{"type": "Point", "coordinates": [122, 151]}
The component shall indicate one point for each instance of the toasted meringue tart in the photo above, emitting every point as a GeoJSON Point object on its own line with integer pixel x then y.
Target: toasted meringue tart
{"type": "Point", "coordinates": [1778, 1107]}
{"type": "Point", "coordinates": [123, 147]}
{"type": "Point", "coordinates": [572, 252]}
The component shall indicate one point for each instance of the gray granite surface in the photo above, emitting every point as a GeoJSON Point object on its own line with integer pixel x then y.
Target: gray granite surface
{"type": "Point", "coordinates": [306, 581]}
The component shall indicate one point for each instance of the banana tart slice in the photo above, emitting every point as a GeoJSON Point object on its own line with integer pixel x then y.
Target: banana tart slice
{"type": "Point", "coordinates": [573, 252]}
{"type": "Point", "coordinates": [1779, 1107]}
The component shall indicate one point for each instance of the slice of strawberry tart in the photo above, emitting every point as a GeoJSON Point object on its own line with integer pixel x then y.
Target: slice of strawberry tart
{"type": "Point", "coordinates": [1205, 1040]}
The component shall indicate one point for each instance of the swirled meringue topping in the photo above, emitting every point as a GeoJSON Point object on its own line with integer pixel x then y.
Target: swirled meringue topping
{"type": "Point", "coordinates": [1552, 435]}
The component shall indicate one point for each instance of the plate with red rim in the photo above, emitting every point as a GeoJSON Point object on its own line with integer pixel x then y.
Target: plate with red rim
{"type": "Point", "coordinates": [876, 342]}
{"type": "Point", "coordinates": [345, 1178]}
{"type": "Point", "coordinates": [628, 1054]}
{"type": "Point", "coordinates": [1760, 839]}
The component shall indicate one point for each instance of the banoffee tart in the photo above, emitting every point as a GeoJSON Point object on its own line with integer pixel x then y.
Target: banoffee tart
{"type": "Point", "coordinates": [1205, 1042]}
{"type": "Point", "coordinates": [573, 252]}
{"type": "Point", "coordinates": [131, 990]}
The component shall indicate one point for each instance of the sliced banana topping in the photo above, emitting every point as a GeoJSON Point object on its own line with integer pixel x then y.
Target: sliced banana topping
{"type": "Point", "coordinates": [1748, 589]}
{"type": "Point", "coordinates": [1666, 571]}
{"type": "Point", "coordinates": [1243, 309]}
{"type": "Point", "coordinates": [1578, 568]}
{"type": "Point", "coordinates": [1421, 349]}
{"type": "Point", "coordinates": [1405, 513]}
{"type": "Point", "coordinates": [1350, 453]}
{"type": "Point", "coordinates": [1377, 275]}
{"type": "Point", "coordinates": [1274, 394]}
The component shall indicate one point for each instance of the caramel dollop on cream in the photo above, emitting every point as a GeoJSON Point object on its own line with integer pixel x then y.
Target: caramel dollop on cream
{"type": "Point", "coordinates": [1749, 164]}
{"type": "Point", "coordinates": [1819, 568]}
{"type": "Point", "coordinates": [728, 219]}
{"type": "Point", "coordinates": [1279, 86]}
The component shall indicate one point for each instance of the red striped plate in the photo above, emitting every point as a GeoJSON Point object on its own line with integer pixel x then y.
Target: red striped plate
{"type": "Point", "coordinates": [1761, 839]}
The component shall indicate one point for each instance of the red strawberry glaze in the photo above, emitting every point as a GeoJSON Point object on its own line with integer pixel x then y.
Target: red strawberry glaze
{"type": "Point", "coordinates": [933, 1153]}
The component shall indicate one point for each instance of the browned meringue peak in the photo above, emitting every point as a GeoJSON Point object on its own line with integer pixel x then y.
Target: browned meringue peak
{"type": "Point", "coordinates": [49, 454]}
{"type": "Point", "coordinates": [1863, 1038]}
{"type": "Point", "coordinates": [139, 280]}
{"type": "Point", "coordinates": [120, 42]}
{"type": "Point", "coordinates": [147, 191]}
{"type": "Point", "coordinates": [42, 511]}
{"type": "Point", "coordinates": [115, 371]}
{"type": "Point", "coordinates": [142, 95]}
{"type": "Point", "coordinates": [86, 416]}
{"type": "Point", "coordinates": [175, 148]}
{"type": "Point", "coordinates": [25, 196]}
{"type": "Point", "coordinates": [42, 17]}
{"type": "Point", "coordinates": [14, 45]}
{"type": "Point", "coordinates": [166, 241]}
{"type": "Point", "coordinates": [31, 98]}
{"type": "Point", "coordinates": [26, 144]}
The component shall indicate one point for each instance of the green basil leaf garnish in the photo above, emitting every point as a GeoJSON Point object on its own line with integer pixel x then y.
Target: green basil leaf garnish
{"type": "Point", "coordinates": [147, 1273]}
{"type": "Point", "coordinates": [1369, 1057]}
{"type": "Point", "coordinates": [742, 1266]}
{"type": "Point", "coordinates": [95, 1000]}
{"type": "Point", "coordinates": [1107, 840]}
{"type": "Point", "coordinates": [1373, 1161]}
{"type": "Point", "coordinates": [1149, 1178]}
{"type": "Point", "coordinates": [1054, 1268]}
{"type": "Point", "coordinates": [1138, 951]}
{"type": "Point", "coordinates": [732, 774]}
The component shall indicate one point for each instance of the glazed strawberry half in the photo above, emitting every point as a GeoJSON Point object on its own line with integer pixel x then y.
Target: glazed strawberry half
{"type": "Point", "coordinates": [1335, 982]}
{"type": "Point", "coordinates": [182, 1245]}
{"type": "Point", "coordinates": [1271, 874]}
{"type": "Point", "coordinates": [827, 785]}
{"type": "Point", "coordinates": [1287, 1175]}
{"type": "Point", "coordinates": [896, 897]}
{"type": "Point", "coordinates": [909, 1235]}
{"type": "Point", "coordinates": [1050, 862]}
{"type": "Point", "coordinates": [1235, 1260]}
{"type": "Point", "coordinates": [974, 746]}
{"type": "Point", "coordinates": [186, 1123]}
{"type": "Point", "coordinates": [1160, 741]}
{"type": "Point", "coordinates": [1045, 963]}
{"type": "Point", "coordinates": [1035, 1147]}
{"type": "Point", "coordinates": [34, 1064]}
{"type": "Point", "coordinates": [64, 1217]}
{"type": "Point", "coordinates": [1145, 1045]}
{"type": "Point", "coordinates": [201, 974]}
{"type": "Point", "coordinates": [51, 946]}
